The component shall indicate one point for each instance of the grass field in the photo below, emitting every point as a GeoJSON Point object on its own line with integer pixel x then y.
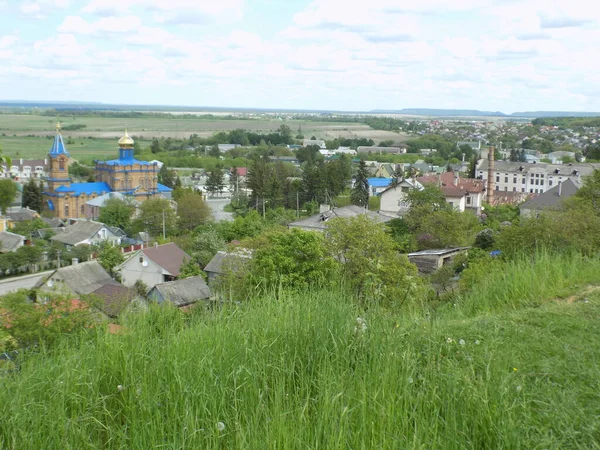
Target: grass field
{"type": "Point", "coordinates": [83, 149]}
{"type": "Point", "coordinates": [298, 371]}
{"type": "Point", "coordinates": [178, 127]}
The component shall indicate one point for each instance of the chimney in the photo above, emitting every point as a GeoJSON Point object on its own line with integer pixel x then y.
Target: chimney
{"type": "Point", "coordinates": [490, 181]}
{"type": "Point", "coordinates": [559, 188]}
{"type": "Point", "coordinates": [456, 178]}
{"type": "Point", "coordinates": [75, 261]}
{"type": "Point", "coordinates": [439, 181]}
{"type": "Point", "coordinates": [156, 245]}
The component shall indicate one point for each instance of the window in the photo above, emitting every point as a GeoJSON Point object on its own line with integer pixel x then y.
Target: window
{"type": "Point", "coordinates": [468, 200]}
{"type": "Point", "coordinates": [541, 182]}
{"type": "Point", "coordinates": [514, 189]}
{"type": "Point", "coordinates": [537, 182]}
{"type": "Point", "coordinates": [537, 175]}
{"type": "Point", "coordinates": [531, 190]}
{"type": "Point", "coordinates": [497, 188]}
{"type": "Point", "coordinates": [497, 179]}
{"type": "Point", "coordinates": [550, 183]}
{"type": "Point", "coordinates": [522, 189]}
{"type": "Point", "coordinates": [61, 164]}
{"type": "Point", "coordinates": [141, 259]}
{"type": "Point", "coordinates": [523, 180]}
{"type": "Point", "coordinates": [515, 180]}
{"type": "Point", "coordinates": [506, 179]}
{"type": "Point", "coordinates": [66, 210]}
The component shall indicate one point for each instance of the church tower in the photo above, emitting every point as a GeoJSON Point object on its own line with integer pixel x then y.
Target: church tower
{"type": "Point", "coordinates": [58, 174]}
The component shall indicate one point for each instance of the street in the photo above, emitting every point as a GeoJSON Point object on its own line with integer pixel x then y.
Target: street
{"type": "Point", "coordinates": [24, 282]}
{"type": "Point", "coordinates": [217, 205]}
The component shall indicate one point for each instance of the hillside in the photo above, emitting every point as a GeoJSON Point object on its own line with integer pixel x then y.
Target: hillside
{"type": "Point", "coordinates": [301, 371]}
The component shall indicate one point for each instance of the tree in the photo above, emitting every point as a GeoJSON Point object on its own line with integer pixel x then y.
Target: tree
{"type": "Point", "coordinates": [110, 257]}
{"type": "Point", "coordinates": [293, 258]}
{"type": "Point", "coordinates": [156, 215]}
{"type": "Point", "coordinates": [33, 195]}
{"type": "Point", "coordinates": [8, 192]}
{"type": "Point", "coordinates": [590, 191]}
{"type": "Point", "coordinates": [4, 160]}
{"type": "Point", "coordinates": [360, 192]}
{"type": "Point", "coordinates": [156, 146]}
{"type": "Point", "coordinates": [189, 269]}
{"type": "Point", "coordinates": [214, 151]}
{"type": "Point", "coordinates": [207, 242]}
{"type": "Point", "coordinates": [116, 213]}
{"type": "Point", "coordinates": [370, 261]}
{"type": "Point", "coordinates": [286, 134]}
{"type": "Point", "coordinates": [165, 176]}
{"type": "Point", "coordinates": [215, 182]}
{"type": "Point", "coordinates": [192, 211]}
{"type": "Point", "coordinates": [234, 180]}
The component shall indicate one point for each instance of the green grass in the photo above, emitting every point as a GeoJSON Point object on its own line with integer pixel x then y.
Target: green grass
{"type": "Point", "coordinates": [292, 372]}
{"type": "Point", "coordinates": [83, 149]}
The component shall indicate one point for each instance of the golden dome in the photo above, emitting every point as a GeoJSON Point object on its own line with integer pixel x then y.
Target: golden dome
{"type": "Point", "coordinates": [125, 141]}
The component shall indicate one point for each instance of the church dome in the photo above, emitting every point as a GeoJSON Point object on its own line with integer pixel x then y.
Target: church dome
{"type": "Point", "coordinates": [125, 141]}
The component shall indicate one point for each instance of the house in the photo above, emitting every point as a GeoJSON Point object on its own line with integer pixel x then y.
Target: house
{"type": "Point", "coordinates": [181, 292]}
{"type": "Point", "coordinates": [10, 242]}
{"type": "Point", "coordinates": [475, 145]}
{"type": "Point", "coordinates": [550, 199]}
{"type": "Point", "coordinates": [223, 148]}
{"type": "Point", "coordinates": [385, 171]}
{"type": "Point", "coordinates": [86, 232]}
{"type": "Point", "coordinates": [464, 194]}
{"type": "Point", "coordinates": [558, 157]}
{"type": "Point", "coordinates": [153, 265]}
{"type": "Point", "coordinates": [318, 222]}
{"type": "Point", "coordinates": [223, 262]}
{"type": "Point", "coordinates": [374, 150]}
{"type": "Point", "coordinates": [378, 185]}
{"type": "Point", "coordinates": [393, 199]}
{"type": "Point", "coordinates": [23, 214]}
{"type": "Point", "coordinates": [88, 279]}
{"type": "Point", "coordinates": [318, 142]}
{"type": "Point", "coordinates": [24, 169]}
{"type": "Point", "coordinates": [428, 261]}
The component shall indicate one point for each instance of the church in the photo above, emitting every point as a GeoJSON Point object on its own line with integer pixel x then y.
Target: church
{"type": "Point", "coordinates": [125, 175]}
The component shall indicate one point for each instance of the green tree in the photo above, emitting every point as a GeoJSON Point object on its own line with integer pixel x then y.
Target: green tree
{"type": "Point", "coordinates": [286, 134]}
{"type": "Point", "coordinates": [166, 177]}
{"type": "Point", "coordinates": [291, 258]}
{"type": "Point", "coordinates": [8, 192]}
{"type": "Point", "coordinates": [117, 213]}
{"type": "Point", "coordinates": [360, 192]}
{"type": "Point", "coordinates": [156, 146]}
{"type": "Point", "coordinates": [234, 180]}
{"type": "Point", "coordinates": [33, 195]}
{"type": "Point", "coordinates": [207, 242]}
{"type": "Point", "coordinates": [590, 190]}
{"type": "Point", "coordinates": [189, 269]}
{"type": "Point", "coordinates": [110, 257]}
{"type": "Point", "coordinates": [4, 160]}
{"type": "Point", "coordinates": [192, 211]}
{"type": "Point", "coordinates": [156, 215]}
{"type": "Point", "coordinates": [370, 261]}
{"type": "Point", "coordinates": [215, 182]}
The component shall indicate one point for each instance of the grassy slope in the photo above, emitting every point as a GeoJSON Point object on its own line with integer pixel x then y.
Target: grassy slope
{"type": "Point", "coordinates": [294, 373]}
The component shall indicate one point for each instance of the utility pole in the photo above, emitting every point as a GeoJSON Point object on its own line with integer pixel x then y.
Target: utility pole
{"type": "Point", "coordinates": [164, 230]}
{"type": "Point", "coordinates": [297, 204]}
{"type": "Point", "coordinates": [263, 205]}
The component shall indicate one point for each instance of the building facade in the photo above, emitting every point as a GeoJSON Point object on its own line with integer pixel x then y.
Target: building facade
{"type": "Point", "coordinates": [125, 175]}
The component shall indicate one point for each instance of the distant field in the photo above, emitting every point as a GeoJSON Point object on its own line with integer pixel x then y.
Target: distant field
{"type": "Point", "coordinates": [178, 127]}
{"type": "Point", "coordinates": [85, 150]}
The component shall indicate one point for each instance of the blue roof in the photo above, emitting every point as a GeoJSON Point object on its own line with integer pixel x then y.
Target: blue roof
{"type": "Point", "coordinates": [122, 162]}
{"type": "Point", "coordinates": [162, 188]}
{"type": "Point", "coordinates": [379, 182]}
{"type": "Point", "coordinates": [98, 187]}
{"type": "Point", "coordinates": [58, 146]}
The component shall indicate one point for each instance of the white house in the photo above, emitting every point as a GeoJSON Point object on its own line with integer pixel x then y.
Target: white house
{"type": "Point", "coordinates": [464, 194]}
{"type": "Point", "coordinates": [393, 199]}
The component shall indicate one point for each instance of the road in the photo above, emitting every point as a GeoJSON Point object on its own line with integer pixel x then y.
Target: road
{"type": "Point", "coordinates": [217, 205]}
{"type": "Point", "coordinates": [24, 282]}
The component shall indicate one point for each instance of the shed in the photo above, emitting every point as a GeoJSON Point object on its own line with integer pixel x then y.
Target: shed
{"type": "Point", "coordinates": [428, 261]}
{"type": "Point", "coordinates": [181, 292]}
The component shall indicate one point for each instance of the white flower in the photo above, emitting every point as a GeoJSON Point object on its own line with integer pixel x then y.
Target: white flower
{"type": "Point", "coordinates": [477, 342]}
{"type": "Point", "coordinates": [449, 340]}
{"type": "Point", "coordinates": [410, 380]}
{"type": "Point", "coordinates": [461, 342]}
{"type": "Point", "coordinates": [220, 426]}
{"type": "Point", "coordinates": [120, 387]}
{"type": "Point", "coordinates": [519, 388]}
{"type": "Point", "coordinates": [361, 325]}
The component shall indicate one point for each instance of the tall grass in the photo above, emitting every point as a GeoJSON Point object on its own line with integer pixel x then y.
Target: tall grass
{"type": "Point", "coordinates": [299, 371]}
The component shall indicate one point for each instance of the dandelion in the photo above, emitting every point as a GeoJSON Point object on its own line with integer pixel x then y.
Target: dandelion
{"type": "Point", "coordinates": [477, 342]}
{"type": "Point", "coordinates": [519, 388]}
{"type": "Point", "coordinates": [462, 342]}
{"type": "Point", "coordinates": [361, 325]}
{"type": "Point", "coordinates": [449, 340]}
{"type": "Point", "coordinates": [515, 369]}
{"type": "Point", "coordinates": [120, 388]}
{"type": "Point", "coordinates": [220, 426]}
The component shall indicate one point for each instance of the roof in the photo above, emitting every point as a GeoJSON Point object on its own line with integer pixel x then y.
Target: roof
{"type": "Point", "coordinates": [558, 169]}
{"type": "Point", "coordinates": [551, 198]}
{"type": "Point", "coordinates": [78, 232]}
{"type": "Point", "coordinates": [215, 265]}
{"type": "Point", "coordinates": [9, 242]}
{"type": "Point", "coordinates": [242, 171]}
{"type": "Point", "coordinates": [379, 182]}
{"type": "Point", "coordinates": [318, 221]}
{"type": "Point", "coordinates": [168, 256]}
{"type": "Point", "coordinates": [23, 214]}
{"type": "Point", "coordinates": [98, 187]}
{"type": "Point", "coordinates": [449, 189]}
{"type": "Point", "coordinates": [183, 292]}
{"type": "Point", "coordinates": [162, 188]}
{"type": "Point", "coordinates": [58, 146]}
{"type": "Point", "coordinates": [438, 252]}
{"type": "Point", "coordinates": [53, 222]}
{"type": "Point", "coordinates": [115, 297]}
{"type": "Point", "coordinates": [100, 201]}
{"type": "Point", "coordinates": [375, 149]}
{"type": "Point", "coordinates": [83, 278]}
{"type": "Point", "coordinates": [411, 182]}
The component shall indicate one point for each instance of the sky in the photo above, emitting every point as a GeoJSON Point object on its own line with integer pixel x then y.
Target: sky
{"type": "Point", "coordinates": [348, 55]}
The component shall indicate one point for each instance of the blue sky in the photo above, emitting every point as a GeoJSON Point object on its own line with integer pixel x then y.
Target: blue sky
{"type": "Point", "coordinates": [507, 55]}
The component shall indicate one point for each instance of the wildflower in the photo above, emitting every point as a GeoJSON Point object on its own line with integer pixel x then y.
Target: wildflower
{"type": "Point", "coordinates": [120, 387]}
{"type": "Point", "coordinates": [449, 340]}
{"type": "Point", "coordinates": [515, 369]}
{"type": "Point", "coordinates": [519, 388]}
{"type": "Point", "coordinates": [462, 342]}
{"type": "Point", "coordinates": [361, 325]}
{"type": "Point", "coordinates": [410, 380]}
{"type": "Point", "coordinates": [220, 426]}
{"type": "Point", "coordinates": [477, 342]}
